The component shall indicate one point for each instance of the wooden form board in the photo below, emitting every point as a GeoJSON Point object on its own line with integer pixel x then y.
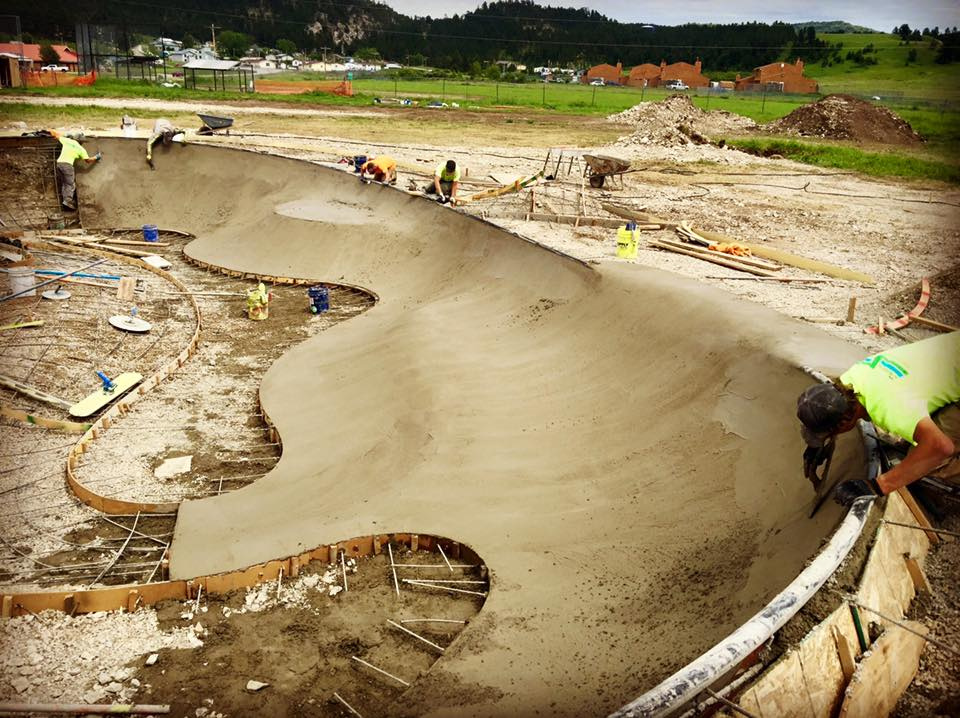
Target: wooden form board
{"type": "Point", "coordinates": [810, 680]}
{"type": "Point", "coordinates": [884, 673]}
{"type": "Point", "coordinates": [132, 596]}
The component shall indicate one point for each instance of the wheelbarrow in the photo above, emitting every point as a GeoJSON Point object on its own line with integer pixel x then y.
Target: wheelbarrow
{"type": "Point", "coordinates": [599, 167]}
{"type": "Point", "coordinates": [212, 123]}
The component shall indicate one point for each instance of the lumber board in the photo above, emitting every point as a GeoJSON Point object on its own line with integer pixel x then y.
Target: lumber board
{"type": "Point", "coordinates": [34, 393]}
{"type": "Point", "coordinates": [918, 515]}
{"type": "Point", "coordinates": [561, 219]}
{"type": "Point", "coordinates": [822, 668]}
{"type": "Point", "coordinates": [749, 261]}
{"type": "Point", "coordinates": [884, 673]}
{"type": "Point", "coordinates": [759, 250]}
{"type": "Point", "coordinates": [119, 250]}
{"type": "Point", "coordinates": [923, 321]}
{"type": "Point", "coordinates": [22, 325]}
{"type": "Point", "coordinates": [783, 691]}
{"type": "Point", "coordinates": [28, 418]}
{"type": "Point", "coordinates": [134, 243]}
{"type": "Point", "coordinates": [723, 262]}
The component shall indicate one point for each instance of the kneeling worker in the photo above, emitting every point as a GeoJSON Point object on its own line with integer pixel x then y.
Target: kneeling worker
{"type": "Point", "coordinates": [446, 181]}
{"type": "Point", "coordinates": [72, 150]}
{"type": "Point", "coordinates": [163, 131]}
{"type": "Point", "coordinates": [913, 392]}
{"type": "Point", "coordinates": [383, 169]}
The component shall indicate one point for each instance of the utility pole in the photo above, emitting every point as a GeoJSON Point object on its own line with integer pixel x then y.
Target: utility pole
{"type": "Point", "coordinates": [213, 36]}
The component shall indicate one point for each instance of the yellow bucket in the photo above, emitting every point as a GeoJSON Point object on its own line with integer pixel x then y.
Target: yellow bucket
{"type": "Point", "coordinates": [626, 243]}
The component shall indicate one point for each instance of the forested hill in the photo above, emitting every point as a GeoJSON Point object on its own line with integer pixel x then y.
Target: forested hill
{"type": "Point", "coordinates": [518, 30]}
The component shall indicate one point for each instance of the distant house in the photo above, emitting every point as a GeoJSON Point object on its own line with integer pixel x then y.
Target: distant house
{"type": "Point", "coordinates": [645, 75]}
{"type": "Point", "coordinates": [608, 73]}
{"type": "Point", "coordinates": [30, 54]}
{"type": "Point", "coordinates": [684, 71]}
{"type": "Point", "coordinates": [778, 77]}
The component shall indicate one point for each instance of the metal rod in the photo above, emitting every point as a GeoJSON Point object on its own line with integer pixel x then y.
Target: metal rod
{"type": "Point", "coordinates": [119, 552]}
{"type": "Point", "coordinates": [415, 635]}
{"type": "Point", "coordinates": [393, 567]}
{"type": "Point", "coordinates": [353, 711]}
{"type": "Point", "coordinates": [447, 580]}
{"type": "Point", "coordinates": [432, 565]}
{"type": "Point", "coordinates": [445, 560]}
{"type": "Point", "coordinates": [894, 621]}
{"type": "Point", "coordinates": [431, 620]}
{"type": "Point", "coordinates": [921, 528]}
{"type": "Point", "coordinates": [380, 670]}
{"type": "Point", "coordinates": [51, 281]}
{"type": "Point", "coordinates": [443, 588]}
{"type": "Point", "coordinates": [84, 708]}
{"type": "Point", "coordinates": [729, 704]}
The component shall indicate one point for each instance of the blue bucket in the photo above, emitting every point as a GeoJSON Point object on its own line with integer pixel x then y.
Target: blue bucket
{"type": "Point", "coordinates": [358, 162]}
{"type": "Point", "coordinates": [319, 299]}
{"type": "Point", "coordinates": [150, 233]}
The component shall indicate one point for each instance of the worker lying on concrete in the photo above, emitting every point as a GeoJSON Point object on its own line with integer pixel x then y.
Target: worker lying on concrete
{"type": "Point", "coordinates": [71, 150]}
{"type": "Point", "coordinates": [165, 132]}
{"type": "Point", "coordinates": [446, 182]}
{"type": "Point", "coordinates": [383, 169]}
{"type": "Point", "coordinates": [911, 392]}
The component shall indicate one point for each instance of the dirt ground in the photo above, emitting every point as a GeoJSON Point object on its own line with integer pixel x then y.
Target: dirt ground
{"type": "Point", "coordinates": [896, 232]}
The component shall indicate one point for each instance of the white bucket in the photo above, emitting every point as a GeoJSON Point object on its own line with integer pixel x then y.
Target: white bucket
{"type": "Point", "coordinates": [21, 278]}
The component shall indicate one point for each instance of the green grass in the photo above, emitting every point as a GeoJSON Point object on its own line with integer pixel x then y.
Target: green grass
{"type": "Point", "coordinates": [877, 164]}
{"type": "Point", "coordinates": [891, 78]}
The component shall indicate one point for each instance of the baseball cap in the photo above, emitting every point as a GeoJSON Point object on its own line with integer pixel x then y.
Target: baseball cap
{"type": "Point", "coordinates": [820, 408]}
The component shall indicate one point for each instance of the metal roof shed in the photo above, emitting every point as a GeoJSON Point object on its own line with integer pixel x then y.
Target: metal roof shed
{"type": "Point", "coordinates": [217, 75]}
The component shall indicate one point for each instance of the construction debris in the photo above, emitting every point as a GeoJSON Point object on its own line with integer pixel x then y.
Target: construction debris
{"type": "Point", "coordinates": [677, 122]}
{"type": "Point", "coordinates": [843, 117]}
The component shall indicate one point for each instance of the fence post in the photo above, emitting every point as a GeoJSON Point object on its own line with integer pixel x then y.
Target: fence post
{"type": "Point", "coordinates": [498, 93]}
{"type": "Point", "coordinates": [593, 98]}
{"type": "Point", "coordinates": [443, 89]}
{"type": "Point", "coordinates": [543, 100]}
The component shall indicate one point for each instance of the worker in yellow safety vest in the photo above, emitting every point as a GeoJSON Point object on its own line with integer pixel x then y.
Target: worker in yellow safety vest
{"type": "Point", "coordinates": [911, 392]}
{"type": "Point", "coordinates": [71, 145]}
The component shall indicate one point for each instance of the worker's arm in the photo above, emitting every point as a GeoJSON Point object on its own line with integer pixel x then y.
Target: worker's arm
{"type": "Point", "coordinates": [453, 189]}
{"type": "Point", "coordinates": [150, 143]}
{"type": "Point", "coordinates": [436, 185]}
{"type": "Point", "coordinates": [932, 449]}
{"type": "Point", "coordinates": [54, 133]}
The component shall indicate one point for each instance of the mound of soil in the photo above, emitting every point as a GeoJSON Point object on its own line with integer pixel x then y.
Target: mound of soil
{"type": "Point", "coordinates": [676, 121]}
{"type": "Point", "coordinates": [842, 117]}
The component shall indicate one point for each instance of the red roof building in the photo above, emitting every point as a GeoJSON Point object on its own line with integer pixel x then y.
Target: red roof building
{"type": "Point", "coordinates": [689, 74]}
{"type": "Point", "coordinates": [30, 52]}
{"type": "Point", "coordinates": [778, 77]}
{"type": "Point", "coordinates": [646, 73]}
{"type": "Point", "coordinates": [608, 73]}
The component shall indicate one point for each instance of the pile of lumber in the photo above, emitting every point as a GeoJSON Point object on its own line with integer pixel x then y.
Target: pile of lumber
{"type": "Point", "coordinates": [695, 245]}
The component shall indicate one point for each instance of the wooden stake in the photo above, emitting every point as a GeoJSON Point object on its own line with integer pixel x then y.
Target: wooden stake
{"type": "Point", "coordinates": [918, 514]}
{"type": "Point", "coordinates": [22, 325]}
{"type": "Point", "coordinates": [851, 309]}
{"type": "Point", "coordinates": [848, 662]}
{"type": "Point", "coordinates": [343, 566]}
{"type": "Point", "coordinates": [917, 575]}
{"type": "Point", "coordinates": [934, 325]}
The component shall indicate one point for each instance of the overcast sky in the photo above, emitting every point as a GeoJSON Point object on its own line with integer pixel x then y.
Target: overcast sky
{"type": "Point", "coordinates": [879, 14]}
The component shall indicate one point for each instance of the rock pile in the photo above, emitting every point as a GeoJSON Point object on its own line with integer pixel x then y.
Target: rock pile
{"type": "Point", "coordinates": [676, 121]}
{"type": "Point", "coordinates": [842, 117]}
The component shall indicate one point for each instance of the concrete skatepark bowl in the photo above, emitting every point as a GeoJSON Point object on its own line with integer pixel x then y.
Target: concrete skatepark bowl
{"type": "Point", "coordinates": [617, 443]}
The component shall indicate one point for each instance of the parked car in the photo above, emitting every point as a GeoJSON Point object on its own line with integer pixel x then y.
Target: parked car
{"type": "Point", "coordinates": [598, 82]}
{"type": "Point", "coordinates": [54, 68]}
{"type": "Point", "coordinates": [676, 85]}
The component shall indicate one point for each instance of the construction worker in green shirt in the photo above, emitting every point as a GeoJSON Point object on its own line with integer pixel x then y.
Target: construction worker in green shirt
{"type": "Point", "coordinates": [71, 150]}
{"type": "Point", "coordinates": [446, 182]}
{"type": "Point", "coordinates": [912, 392]}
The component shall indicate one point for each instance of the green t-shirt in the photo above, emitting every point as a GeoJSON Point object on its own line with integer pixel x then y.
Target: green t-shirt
{"type": "Point", "coordinates": [72, 151]}
{"type": "Point", "coordinates": [900, 387]}
{"type": "Point", "coordinates": [447, 176]}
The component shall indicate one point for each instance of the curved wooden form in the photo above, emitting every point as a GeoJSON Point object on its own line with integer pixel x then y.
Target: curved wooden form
{"type": "Point", "coordinates": [915, 312]}
{"type": "Point", "coordinates": [129, 597]}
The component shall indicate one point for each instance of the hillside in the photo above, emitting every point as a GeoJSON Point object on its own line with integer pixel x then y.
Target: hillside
{"type": "Point", "coordinates": [833, 26]}
{"type": "Point", "coordinates": [517, 30]}
{"type": "Point", "coordinates": [892, 76]}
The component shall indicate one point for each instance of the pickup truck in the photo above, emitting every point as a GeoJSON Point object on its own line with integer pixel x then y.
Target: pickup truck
{"type": "Point", "coordinates": [54, 68]}
{"type": "Point", "coordinates": [676, 85]}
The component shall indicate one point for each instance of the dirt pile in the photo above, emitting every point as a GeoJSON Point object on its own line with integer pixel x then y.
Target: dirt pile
{"type": "Point", "coordinates": [842, 117]}
{"type": "Point", "coordinates": [676, 121]}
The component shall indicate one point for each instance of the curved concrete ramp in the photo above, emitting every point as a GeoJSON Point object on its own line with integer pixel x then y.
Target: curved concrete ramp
{"type": "Point", "coordinates": [618, 443]}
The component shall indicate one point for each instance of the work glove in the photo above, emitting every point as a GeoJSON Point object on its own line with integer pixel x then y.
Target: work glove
{"type": "Point", "coordinates": [98, 156]}
{"type": "Point", "coordinates": [813, 458]}
{"type": "Point", "coordinates": [846, 492]}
